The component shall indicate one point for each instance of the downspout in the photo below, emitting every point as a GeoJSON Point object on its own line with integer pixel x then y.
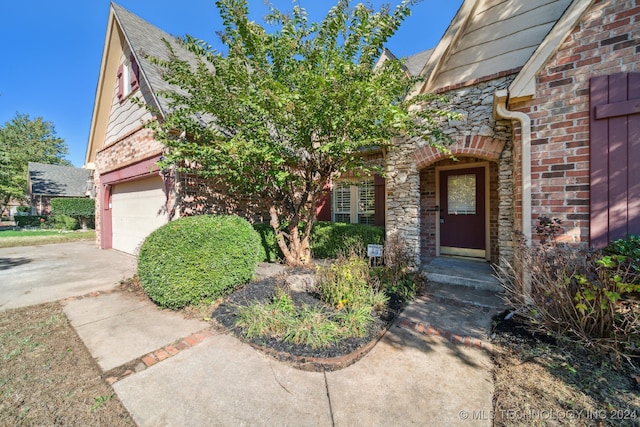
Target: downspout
{"type": "Point", "coordinates": [500, 111]}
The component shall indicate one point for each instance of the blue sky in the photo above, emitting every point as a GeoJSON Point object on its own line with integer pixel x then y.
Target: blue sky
{"type": "Point", "coordinates": [51, 50]}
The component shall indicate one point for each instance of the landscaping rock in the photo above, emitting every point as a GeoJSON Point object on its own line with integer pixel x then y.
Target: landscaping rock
{"type": "Point", "coordinates": [302, 283]}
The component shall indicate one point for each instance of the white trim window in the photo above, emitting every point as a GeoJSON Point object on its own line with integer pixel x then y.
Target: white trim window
{"type": "Point", "coordinates": [128, 78]}
{"type": "Point", "coordinates": [366, 202]}
{"type": "Point", "coordinates": [341, 203]}
{"type": "Point", "coordinates": [353, 202]}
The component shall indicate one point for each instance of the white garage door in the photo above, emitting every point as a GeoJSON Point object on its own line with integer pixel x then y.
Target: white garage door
{"type": "Point", "coordinates": [137, 208]}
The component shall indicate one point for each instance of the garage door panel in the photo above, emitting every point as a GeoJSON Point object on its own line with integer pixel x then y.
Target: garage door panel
{"type": "Point", "coordinates": [138, 208]}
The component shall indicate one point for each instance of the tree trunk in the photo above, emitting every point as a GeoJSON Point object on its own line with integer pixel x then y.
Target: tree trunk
{"type": "Point", "coordinates": [296, 251]}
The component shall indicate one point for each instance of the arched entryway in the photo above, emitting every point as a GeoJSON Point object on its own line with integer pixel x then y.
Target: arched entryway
{"type": "Point", "coordinates": [460, 199]}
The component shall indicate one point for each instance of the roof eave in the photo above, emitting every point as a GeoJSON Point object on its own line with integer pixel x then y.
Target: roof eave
{"type": "Point", "coordinates": [100, 83]}
{"type": "Point", "coordinates": [143, 74]}
{"type": "Point", "coordinates": [446, 43]}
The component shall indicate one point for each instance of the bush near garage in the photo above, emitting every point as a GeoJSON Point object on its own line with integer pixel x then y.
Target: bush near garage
{"type": "Point", "coordinates": [196, 258]}
{"type": "Point", "coordinates": [328, 239]}
{"type": "Point", "coordinates": [62, 222]}
{"type": "Point", "coordinates": [81, 208]}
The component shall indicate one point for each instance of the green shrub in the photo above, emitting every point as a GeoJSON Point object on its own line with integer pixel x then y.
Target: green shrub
{"type": "Point", "coordinates": [347, 283]}
{"type": "Point", "coordinates": [195, 258]}
{"type": "Point", "coordinates": [350, 292]}
{"type": "Point", "coordinates": [315, 326]}
{"type": "Point", "coordinates": [628, 248]}
{"type": "Point", "coordinates": [73, 206]}
{"type": "Point", "coordinates": [62, 222]}
{"type": "Point", "coordinates": [30, 220]}
{"type": "Point", "coordinates": [577, 295]}
{"type": "Point", "coordinates": [81, 208]}
{"type": "Point", "coordinates": [328, 239]}
{"type": "Point", "coordinates": [269, 250]}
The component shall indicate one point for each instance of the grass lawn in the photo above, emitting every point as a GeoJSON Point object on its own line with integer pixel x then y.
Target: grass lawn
{"type": "Point", "coordinates": [47, 376]}
{"type": "Point", "coordinates": [11, 238]}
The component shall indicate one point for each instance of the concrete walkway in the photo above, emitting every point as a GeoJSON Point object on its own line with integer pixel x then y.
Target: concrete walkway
{"type": "Point", "coordinates": [169, 371]}
{"type": "Point", "coordinates": [119, 327]}
{"type": "Point", "coordinates": [405, 380]}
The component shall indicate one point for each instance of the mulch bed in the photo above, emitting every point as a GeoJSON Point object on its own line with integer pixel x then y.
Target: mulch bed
{"type": "Point", "coordinates": [337, 356]}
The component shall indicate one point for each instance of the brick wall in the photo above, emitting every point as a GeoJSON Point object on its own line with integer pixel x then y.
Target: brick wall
{"type": "Point", "coordinates": [197, 196]}
{"type": "Point", "coordinates": [132, 148]}
{"type": "Point", "coordinates": [606, 41]}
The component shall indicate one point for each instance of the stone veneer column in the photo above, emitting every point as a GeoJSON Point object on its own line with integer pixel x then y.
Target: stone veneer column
{"type": "Point", "coordinates": [403, 195]}
{"type": "Point", "coordinates": [505, 195]}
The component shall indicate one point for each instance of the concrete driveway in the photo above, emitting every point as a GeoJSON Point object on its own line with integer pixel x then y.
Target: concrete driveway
{"type": "Point", "coordinates": [35, 274]}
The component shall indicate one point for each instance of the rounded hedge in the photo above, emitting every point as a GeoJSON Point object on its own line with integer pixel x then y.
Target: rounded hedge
{"type": "Point", "coordinates": [193, 258]}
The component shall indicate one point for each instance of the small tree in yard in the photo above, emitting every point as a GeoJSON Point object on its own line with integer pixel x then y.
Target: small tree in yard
{"type": "Point", "coordinates": [76, 207]}
{"type": "Point", "coordinates": [24, 140]}
{"type": "Point", "coordinates": [287, 111]}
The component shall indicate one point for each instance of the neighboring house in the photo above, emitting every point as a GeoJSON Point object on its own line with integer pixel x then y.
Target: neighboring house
{"type": "Point", "coordinates": [12, 209]}
{"type": "Point", "coordinates": [47, 181]}
{"type": "Point", "coordinates": [547, 91]}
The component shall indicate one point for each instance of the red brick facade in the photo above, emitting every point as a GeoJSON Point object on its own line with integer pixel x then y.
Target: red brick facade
{"type": "Point", "coordinates": [129, 150]}
{"type": "Point", "coordinates": [134, 157]}
{"type": "Point", "coordinates": [482, 147]}
{"type": "Point", "coordinates": [606, 41]}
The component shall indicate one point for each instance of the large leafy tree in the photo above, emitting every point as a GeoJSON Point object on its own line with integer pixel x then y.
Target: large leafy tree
{"type": "Point", "coordinates": [23, 140]}
{"type": "Point", "coordinates": [282, 112]}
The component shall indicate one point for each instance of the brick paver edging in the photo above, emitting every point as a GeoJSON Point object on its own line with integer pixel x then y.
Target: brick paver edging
{"type": "Point", "coordinates": [140, 364]}
{"type": "Point", "coordinates": [136, 365]}
{"type": "Point", "coordinates": [323, 364]}
{"type": "Point", "coordinates": [452, 337]}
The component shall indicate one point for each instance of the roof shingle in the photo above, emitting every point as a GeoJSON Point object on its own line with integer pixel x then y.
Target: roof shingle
{"type": "Point", "coordinates": [57, 181]}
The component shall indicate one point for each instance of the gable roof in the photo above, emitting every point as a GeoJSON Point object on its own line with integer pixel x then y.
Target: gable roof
{"type": "Point", "coordinates": [146, 40]}
{"type": "Point", "coordinates": [58, 181]}
{"type": "Point", "coordinates": [490, 37]}
{"type": "Point", "coordinates": [126, 31]}
{"type": "Point", "coordinates": [416, 62]}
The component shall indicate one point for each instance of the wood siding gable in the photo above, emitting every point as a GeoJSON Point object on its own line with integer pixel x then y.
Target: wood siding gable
{"type": "Point", "coordinates": [499, 35]}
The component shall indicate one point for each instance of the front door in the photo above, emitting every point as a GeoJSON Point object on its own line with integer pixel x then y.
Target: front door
{"type": "Point", "coordinates": [462, 212]}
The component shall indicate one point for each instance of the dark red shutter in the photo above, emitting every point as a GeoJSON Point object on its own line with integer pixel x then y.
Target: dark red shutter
{"type": "Point", "coordinates": [615, 157]}
{"type": "Point", "coordinates": [323, 211]}
{"type": "Point", "coordinates": [121, 82]}
{"type": "Point", "coordinates": [379, 197]}
{"type": "Point", "coordinates": [134, 78]}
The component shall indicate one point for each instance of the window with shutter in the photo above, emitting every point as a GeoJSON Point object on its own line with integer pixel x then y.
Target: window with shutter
{"type": "Point", "coordinates": [615, 157]}
{"type": "Point", "coordinates": [128, 78]}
